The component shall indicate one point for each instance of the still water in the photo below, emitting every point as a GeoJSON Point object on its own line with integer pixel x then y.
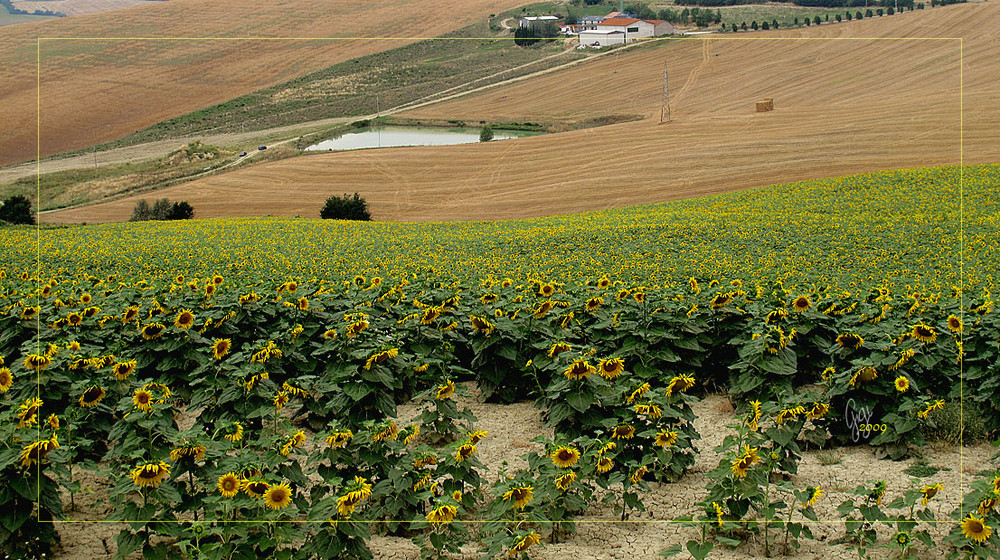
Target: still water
{"type": "Point", "coordinates": [387, 136]}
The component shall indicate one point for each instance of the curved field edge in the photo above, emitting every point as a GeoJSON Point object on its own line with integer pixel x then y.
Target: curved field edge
{"type": "Point", "coordinates": [893, 228]}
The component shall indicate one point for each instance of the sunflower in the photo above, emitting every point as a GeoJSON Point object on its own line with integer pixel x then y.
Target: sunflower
{"type": "Point", "coordinates": [623, 431]}
{"type": "Point", "coordinates": [640, 297]}
{"type": "Point", "coordinates": [976, 529]}
{"type": "Point", "coordinates": [813, 493]}
{"type": "Point", "coordinates": [221, 347]}
{"type": "Point", "coordinates": [339, 439]}
{"type": "Point", "coordinates": [30, 312]}
{"type": "Point", "coordinates": [35, 452]}
{"type": "Point", "coordinates": [827, 373]}
{"type": "Point", "coordinates": [355, 328]}
{"type": "Point", "coordinates": [430, 315]}
{"type": "Point", "coordinates": [489, 298]}
{"type": "Point", "coordinates": [520, 495]}
{"type": "Point", "coordinates": [546, 290]}
{"type": "Point", "coordinates": [150, 474]}
{"type": "Point", "coordinates": [651, 410]}
{"type": "Point", "coordinates": [865, 374]}
{"type": "Point", "coordinates": [721, 300]}
{"type": "Point", "coordinates": [122, 370]}
{"type": "Point", "coordinates": [611, 368]}
{"type": "Point", "coordinates": [255, 488]}
{"type": "Point", "coordinates": [152, 330]}
{"type": "Point", "coordinates": [789, 414]}
{"type": "Point", "coordinates": [53, 422]}
{"type": "Point", "coordinates": [558, 348]}
{"type": "Point", "coordinates": [91, 396]}
{"type": "Point", "coordinates": [37, 362]}
{"type": "Point", "coordinates": [442, 515]}
{"type": "Point", "coordinates": [91, 311]}
{"type": "Point", "coordinates": [801, 304]}
{"type": "Point", "coordinates": [902, 384]}
{"type": "Point", "coordinates": [217, 280]}
{"type": "Point", "coordinates": [464, 451]}
{"type": "Point", "coordinates": [996, 484]}
{"type": "Point", "coordinates": [380, 357]}
{"type": "Point", "coordinates": [929, 492]}
{"type": "Point", "coordinates": [302, 304]}
{"type": "Point", "coordinates": [753, 417]}
{"type": "Point", "coordinates": [281, 398]}
{"type": "Point", "coordinates": [931, 407]}
{"type": "Point", "coordinates": [818, 411]}
{"type": "Point", "coordinates": [28, 415]}
{"type": "Point", "coordinates": [593, 303]}
{"type": "Point", "coordinates": [638, 393]}
{"type": "Point", "coordinates": [579, 369]}
{"type": "Point", "coordinates": [543, 308]}
{"type": "Point", "coordinates": [718, 513]}
{"type": "Point", "coordinates": [563, 482]}
{"type": "Point", "coordinates": [638, 475]}
{"type": "Point", "coordinates": [237, 433]}
{"type": "Point", "coordinates": [604, 464]}
{"type": "Point", "coordinates": [482, 325]}
{"type": "Point", "coordinates": [986, 506]}
{"type": "Point", "coordinates": [195, 452]}
{"type": "Point", "coordinates": [209, 289]}
{"type": "Point", "coordinates": [745, 461]}
{"type": "Point", "coordinates": [954, 324]}
{"type": "Point", "coordinates": [680, 383]}
{"type": "Point", "coordinates": [445, 391]}
{"type": "Point", "coordinates": [131, 312]}
{"type": "Point", "coordinates": [6, 379]}
{"type": "Point", "coordinates": [384, 432]}
{"type": "Point", "coordinates": [850, 340]}
{"type": "Point", "coordinates": [924, 333]}
{"type": "Point", "coordinates": [410, 434]}
{"type": "Point", "coordinates": [184, 319]}
{"type": "Point", "coordinates": [229, 485]}
{"type": "Point", "coordinates": [565, 457]}
{"type": "Point", "coordinates": [278, 496]}
{"type": "Point", "coordinates": [524, 543]}
{"type": "Point", "coordinates": [143, 400]}
{"type": "Point", "coordinates": [901, 538]}
{"type": "Point", "coordinates": [665, 438]}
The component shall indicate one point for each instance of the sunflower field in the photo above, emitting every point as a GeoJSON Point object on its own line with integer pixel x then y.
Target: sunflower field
{"type": "Point", "coordinates": [236, 382]}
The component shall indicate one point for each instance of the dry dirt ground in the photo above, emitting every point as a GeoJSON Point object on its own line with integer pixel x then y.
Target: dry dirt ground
{"type": "Point", "coordinates": [91, 91]}
{"type": "Point", "coordinates": [600, 535]}
{"type": "Point", "coordinates": [849, 98]}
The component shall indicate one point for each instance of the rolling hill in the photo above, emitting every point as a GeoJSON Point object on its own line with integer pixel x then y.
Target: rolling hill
{"type": "Point", "coordinates": [850, 98]}
{"type": "Point", "coordinates": [93, 91]}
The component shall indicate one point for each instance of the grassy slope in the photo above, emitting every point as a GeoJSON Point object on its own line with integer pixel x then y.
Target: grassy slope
{"type": "Point", "coordinates": [94, 91]}
{"type": "Point", "coordinates": [349, 88]}
{"type": "Point", "coordinates": [899, 228]}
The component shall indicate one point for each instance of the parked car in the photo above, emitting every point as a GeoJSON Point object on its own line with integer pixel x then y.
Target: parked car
{"type": "Point", "coordinates": [261, 147]}
{"type": "Point", "coordinates": [243, 154]}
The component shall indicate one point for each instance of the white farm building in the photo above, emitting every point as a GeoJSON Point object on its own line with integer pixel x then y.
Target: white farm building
{"type": "Point", "coordinates": [616, 31]}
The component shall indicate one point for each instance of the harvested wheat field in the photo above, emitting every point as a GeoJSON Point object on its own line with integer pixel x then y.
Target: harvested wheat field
{"type": "Point", "coordinates": [76, 7]}
{"type": "Point", "coordinates": [841, 107]}
{"type": "Point", "coordinates": [94, 91]}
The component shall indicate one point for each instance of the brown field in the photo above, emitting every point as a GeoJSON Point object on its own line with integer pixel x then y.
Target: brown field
{"type": "Point", "coordinates": [841, 107]}
{"type": "Point", "coordinates": [76, 7]}
{"type": "Point", "coordinates": [94, 91]}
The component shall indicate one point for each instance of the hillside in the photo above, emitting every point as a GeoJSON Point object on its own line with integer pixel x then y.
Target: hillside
{"type": "Point", "coordinates": [853, 103]}
{"type": "Point", "coordinates": [94, 91]}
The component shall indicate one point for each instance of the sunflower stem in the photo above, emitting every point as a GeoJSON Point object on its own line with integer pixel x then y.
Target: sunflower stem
{"type": "Point", "coordinates": [191, 487]}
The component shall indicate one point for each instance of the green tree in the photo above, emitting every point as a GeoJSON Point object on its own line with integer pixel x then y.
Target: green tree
{"type": "Point", "coordinates": [141, 212]}
{"type": "Point", "coordinates": [817, 21]}
{"type": "Point", "coordinates": [345, 208]}
{"type": "Point", "coordinates": [486, 133]}
{"type": "Point", "coordinates": [181, 211]}
{"type": "Point", "coordinates": [16, 209]}
{"type": "Point", "coordinates": [161, 210]}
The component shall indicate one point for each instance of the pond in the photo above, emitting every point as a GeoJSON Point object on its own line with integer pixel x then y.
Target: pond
{"type": "Point", "coordinates": [388, 136]}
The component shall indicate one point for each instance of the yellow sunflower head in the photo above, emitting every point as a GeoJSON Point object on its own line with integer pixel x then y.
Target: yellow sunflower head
{"type": "Point", "coordinates": [976, 529]}
{"type": "Point", "coordinates": [229, 485]}
{"type": "Point", "coordinates": [519, 495]}
{"type": "Point", "coordinates": [611, 368]}
{"type": "Point", "coordinates": [184, 319]}
{"type": "Point", "coordinates": [565, 457]}
{"type": "Point", "coordinates": [221, 347]}
{"type": "Point", "coordinates": [6, 379]}
{"type": "Point", "coordinates": [91, 396]}
{"type": "Point", "coordinates": [151, 331]}
{"type": "Point", "coordinates": [924, 333]}
{"type": "Point", "coordinates": [623, 431]}
{"type": "Point", "coordinates": [143, 400]}
{"type": "Point", "coordinates": [579, 369]}
{"type": "Point", "coordinates": [801, 303]}
{"type": "Point", "coordinates": [150, 474]}
{"type": "Point", "coordinates": [278, 496]}
{"type": "Point", "coordinates": [902, 384]}
{"type": "Point", "coordinates": [954, 324]}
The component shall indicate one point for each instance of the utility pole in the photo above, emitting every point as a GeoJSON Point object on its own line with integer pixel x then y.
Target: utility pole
{"type": "Point", "coordinates": [665, 102]}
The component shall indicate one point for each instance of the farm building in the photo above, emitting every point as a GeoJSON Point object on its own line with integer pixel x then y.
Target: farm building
{"type": "Point", "coordinates": [601, 37]}
{"type": "Point", "coordinates": [533, 20]}
{"type": "Point", "coordinates": [615, 31]}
